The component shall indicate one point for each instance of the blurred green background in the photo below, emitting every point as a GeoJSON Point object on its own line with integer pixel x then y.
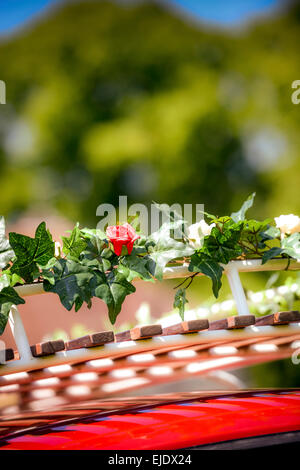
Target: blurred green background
{"type": "Point", "coordinates": [135, 98]}
{"type": "Point", "coordinates": [111, 98]}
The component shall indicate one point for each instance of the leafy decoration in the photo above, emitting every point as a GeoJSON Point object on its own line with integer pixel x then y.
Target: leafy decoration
{"type": "Point", "coordinates": [240, 214]}
{"type": "Point", "coordinates": [210, 268]}
{"type": "Point", "coordinates": [162, 249]}
{"type": "Point", "coordinates": [133, 266]}
{"type": "Point", "coordinates": [88, 265]}
{"type": "Point", "coordinates": [291, 246]}
{"type": "Point", "coordinates": [112, 289]}
{"type": "Point", "coordinates": [70, 281]}
{"type": "Point", "coordinates": [74, 244]}
{"type": "Point", "coordinates": [31, 252]}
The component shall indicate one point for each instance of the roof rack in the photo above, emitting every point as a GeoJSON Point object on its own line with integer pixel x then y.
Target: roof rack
{"type": "Point", "coordinates": [107, 345]}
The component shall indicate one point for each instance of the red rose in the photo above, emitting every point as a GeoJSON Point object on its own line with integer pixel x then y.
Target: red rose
{"type": "Point", "coordinates": [121, 235]}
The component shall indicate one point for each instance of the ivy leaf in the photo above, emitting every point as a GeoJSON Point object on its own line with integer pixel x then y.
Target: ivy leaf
{"type": "Point", "coordinates": [8, 298]}
{"type": "Point", "coordinates": [223, 246]}
{"type": "Point", "coordinates": [70, 281]}
{"type": "Point", "coordinates": [8, 279]}
{"type": "Point", "coordinates": [210, 268]}
{"type": "Point", "coordinates": [291, 246]}
{"type": "Point", "coordinates": [92, 233]}
{"type": "Point", "coordinates": [74, 244]}
{"type": "Point", "coordinates": [179, 302]}
{"type": "Point", "coordinates": [133, 266]}
{"type": "Point", "coordinates": [271, 253]}
{"type": "Point", "coordinates": [166, 250]}
{"type": "Point", "coordinates": [162, 248]}
{"type": "Point", "coordinates": [97, 256]}
{"type": "Point", "coordinates": [270, 233]}
{"type": "Point", "coordinates": [240, 214]}
{"type": "Point", "coordinates": [31, 251]}
{"type": "Point", "coordinates": [6, 253]}
{"type": "Point", "coordinates": [112, 289]}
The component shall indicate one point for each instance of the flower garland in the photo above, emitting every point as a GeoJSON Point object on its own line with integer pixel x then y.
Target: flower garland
{"type": "Point", "coordinates": [92, 263]}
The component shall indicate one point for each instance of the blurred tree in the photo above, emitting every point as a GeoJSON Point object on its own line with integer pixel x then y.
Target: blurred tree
{"type": "Point", "coordinates": [112, 98]}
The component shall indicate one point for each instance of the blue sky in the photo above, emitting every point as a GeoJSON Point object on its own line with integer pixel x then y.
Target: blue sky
{"type": "Point", "coordinates": [14, 13]}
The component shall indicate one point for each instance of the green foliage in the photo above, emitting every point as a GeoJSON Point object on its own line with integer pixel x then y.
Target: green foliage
{"type": "Point", "coordinates": [71, 282]}
{"type": "Point", "coordinates": [89, 267]}
{"type": "Point", "coordinates": [112, 288]}
{"type": "Point", "coordinates": [74, 245]}
{"type": "Point", "coordinates": [8, 297]}
{"type": "Point", "coordinates": [236, 237]}
{"type": "Point", "coordinates": [31, 252]}
{"type": "Point", "coordinates": [179, 302]}
{"type": "Point", "coordinates": [240, 215]}
{"type": "Point", "coordinates": [210, 268]}
{"type": "Point", "coordinates": [222, 244]}
{"type": "Point", "coordinates": [271, 253]}
{"type": "Point", "coordinates": [163, 248]}
{"type": "Point", "coordinates": [133, 266]}
{"type": "Point", "coordinates": [168, 99]}
{"type": "Point", "coordinates": [291, 246]}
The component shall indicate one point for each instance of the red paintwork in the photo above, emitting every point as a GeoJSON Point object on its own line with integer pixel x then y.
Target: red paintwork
{"type": "Point", "coordinates": [172, 426]}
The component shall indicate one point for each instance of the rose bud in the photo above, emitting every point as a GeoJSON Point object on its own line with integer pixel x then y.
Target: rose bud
{"type": "Point", "coordinates": [122, 235]}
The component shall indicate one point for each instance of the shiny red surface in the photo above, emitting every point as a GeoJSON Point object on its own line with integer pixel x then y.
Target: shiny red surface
{"type": "Point", "coordinates": [172, 426]}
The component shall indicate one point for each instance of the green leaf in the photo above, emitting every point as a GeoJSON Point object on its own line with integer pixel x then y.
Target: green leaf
{"type": "Point", "coordinates": [133, 266]}
{"type": "Point", "coordinates": [291, 245]}
{"type": "Point", "coordinates": [270, 233]}
{"type": "Point", "coordinates": [240, 214]}
{"type": "Point", "coordinates": [97, 255]}
{"type": "Point", "coordinates": [93, 232]}
{"type": "Point", "coordinates": [8, 279]}
{"type": "Point", "coordinates": [6, 253]}
{"type": "Point", "coordinates": [223, 246]}
{"type": "Point", "coordinates": [112, 289]}
{"type": "Point", "coordinates": [162, 248]}
{"type": "Point", "coordinates": [210, 268]}
{"type": "Point", "coordinates": [70, 281]}
{"type": "Point", "coordinates": [179, 302]}
{"type": "Point", "coordinates": [164, 251]}
{"type": "Point", "coordinates": [74, 244]}
{"type": "Point", "coordinates": [31, 251]}
{"type": "Point", "coordinates": [8, 298]}
{"type": "Point", "coordinates": [272, 253]}
{"type": "Point", "coordinates": [8, 294]}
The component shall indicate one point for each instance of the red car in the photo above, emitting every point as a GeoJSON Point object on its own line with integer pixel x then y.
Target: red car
{"type": "Point", "coordinates": [215, 420]}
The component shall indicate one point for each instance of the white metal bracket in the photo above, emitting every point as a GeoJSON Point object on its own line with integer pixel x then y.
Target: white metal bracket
{"type": "Point", "coordinates": [237, 290]}
{"type": "Point", "coordinates": [19, 334]}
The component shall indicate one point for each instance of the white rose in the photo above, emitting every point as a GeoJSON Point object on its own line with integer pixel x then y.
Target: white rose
{"type": "Point", "coordinates": [288, 224]}
{"type": "Point", "coordinates": [197, 232]}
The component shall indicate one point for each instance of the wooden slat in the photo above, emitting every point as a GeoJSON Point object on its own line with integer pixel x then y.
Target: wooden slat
{"type": "Point", "coordinates": [89, 341]}
{"type": "Point", "coordinates": [57, 345]}
{"type": "Point", "coordinates": [237, 321]}
{"type": "Point", "coordinates": [7, 355]}
{"type": "Point", "coordinates": [47, 348]}
{"type": "Point", "coordinates": [123, 336]}
{"type": "Point", "coordinates": [279, 318]}
{"type": "Point", "coordinates": [41, 349]}
{"type": "Point", "coordinates": [145, 332]}
{"type": "Point", "coordinates": [140, 332]}
{"type": "Point", "coordinates": [186, 327]}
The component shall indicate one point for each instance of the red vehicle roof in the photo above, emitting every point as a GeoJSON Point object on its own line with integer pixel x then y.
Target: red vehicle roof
{"type": "Point", "coordinates": [181, 424]}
